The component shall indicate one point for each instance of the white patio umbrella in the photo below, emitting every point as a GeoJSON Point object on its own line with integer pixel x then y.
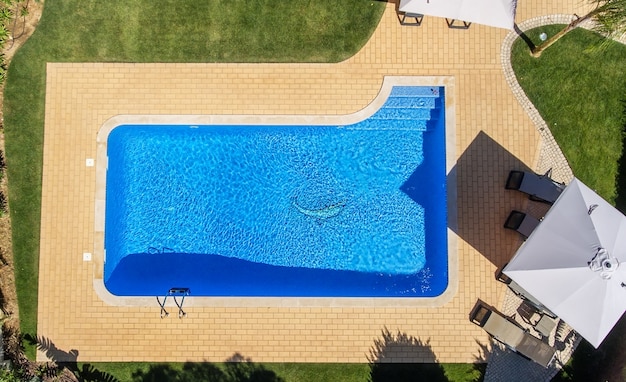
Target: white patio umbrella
{"type": "Point", "coordinates": [574, 262]}
{"type": "Point", "coordinates": [496, 13]}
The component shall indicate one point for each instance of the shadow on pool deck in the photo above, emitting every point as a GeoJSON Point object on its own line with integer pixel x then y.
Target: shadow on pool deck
{"type": "Point", "coordinates": [483, 203]}
{"type": "Point", "coordinates": [401, 357]}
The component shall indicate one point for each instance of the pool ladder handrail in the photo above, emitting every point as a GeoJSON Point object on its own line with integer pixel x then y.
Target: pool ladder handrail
{"type": "Point", "coordinates": [174, 292]}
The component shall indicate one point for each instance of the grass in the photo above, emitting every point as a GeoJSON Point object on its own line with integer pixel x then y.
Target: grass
{"type": "Point", "coordinates": [211, 31]}
{"type": "Point", "coordinates": [149, 31]}
{"type": "Point", "coordinates": [579, 91]}
{"type": "Point", "coordinates": [270, 372]}
{"type": "Point", "coordinates": [289, 372]}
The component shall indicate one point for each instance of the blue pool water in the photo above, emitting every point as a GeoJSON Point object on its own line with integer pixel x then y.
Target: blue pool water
{"type": "Point", "coordinates": [309, 211]}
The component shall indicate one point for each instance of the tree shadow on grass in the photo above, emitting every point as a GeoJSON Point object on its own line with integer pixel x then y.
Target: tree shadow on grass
{"type": "Point", "coordinates": [237, 369]}
{"type": "Point", "coordinates": [63, 361]}
{"type": "Point", "coordinates": [401, 357]}
{"type": "Point", "coordinates": [480, 361]}
{"type": "Point", "coordinates": [620, 200]}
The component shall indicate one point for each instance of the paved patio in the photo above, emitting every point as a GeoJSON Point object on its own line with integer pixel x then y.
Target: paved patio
{"type": "Point", "coordinates": [493, 134]}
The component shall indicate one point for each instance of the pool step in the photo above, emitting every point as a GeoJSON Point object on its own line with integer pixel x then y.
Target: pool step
{"type": "Point", "coordinates": [416, 91]}
{"type": "Point", "coordinates": [412, 102]}
{"type": "Point", "coordinates": [391, 124]}
{"type": "Point", "coordinates": [407, 108]}
{"type": "Point", "coordinates": [405, 113]}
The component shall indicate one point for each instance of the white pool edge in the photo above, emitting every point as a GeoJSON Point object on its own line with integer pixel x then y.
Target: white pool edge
{"type": "Point", "coordinates": [98, 256]}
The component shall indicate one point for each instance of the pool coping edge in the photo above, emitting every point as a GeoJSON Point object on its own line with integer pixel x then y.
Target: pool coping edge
{"type": "Point", "coordinates": [448, 82]}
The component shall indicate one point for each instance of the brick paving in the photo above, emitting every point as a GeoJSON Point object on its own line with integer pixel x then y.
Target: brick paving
{"type": "Point", "coordinates": [494, 133]}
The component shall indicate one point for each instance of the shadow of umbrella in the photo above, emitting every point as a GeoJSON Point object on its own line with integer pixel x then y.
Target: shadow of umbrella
{"type": "Point", "coordinates": [482, 202]}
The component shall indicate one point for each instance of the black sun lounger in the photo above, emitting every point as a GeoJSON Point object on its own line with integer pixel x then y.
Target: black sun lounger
{"type": "Point", "coordinates": [540, 188]}
{"type": "Point", "coordinates": [521, 222]}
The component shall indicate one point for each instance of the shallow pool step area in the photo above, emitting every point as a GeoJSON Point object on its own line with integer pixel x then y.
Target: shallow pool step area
{"type": "Point", "coordinates": [392, 124]}
{"type": "Point", "coordinates": [416, 91]}
{"type": "Point", "coordinates": [411, 102]}
{"type": "Point", "coordinates": [407, 108]}
{"type": "Point", "coordinates": [405, 113]}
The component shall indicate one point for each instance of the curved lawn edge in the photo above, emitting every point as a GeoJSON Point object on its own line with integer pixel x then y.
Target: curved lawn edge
{"type": "Point", "coordinates": [586, 135]}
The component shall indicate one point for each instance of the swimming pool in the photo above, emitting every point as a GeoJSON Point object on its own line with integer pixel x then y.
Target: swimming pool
{"type": "Point", "coordinates": [356, 210]}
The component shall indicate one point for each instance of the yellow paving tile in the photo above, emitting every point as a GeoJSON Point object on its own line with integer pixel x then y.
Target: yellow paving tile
{"type": "Point", "coordinates": [493, 133]}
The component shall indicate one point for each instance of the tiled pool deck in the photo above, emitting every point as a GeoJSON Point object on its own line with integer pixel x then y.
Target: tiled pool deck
{"type": "Point", "coordinates": [493, 134]}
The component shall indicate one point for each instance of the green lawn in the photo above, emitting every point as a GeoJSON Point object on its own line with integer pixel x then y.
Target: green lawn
{"type": "Point", "coordinates": [580, 92]}
{"type": "Point", "coordinates": [226, 372]}
{"type": "Point", "coordinates": [287, 372]}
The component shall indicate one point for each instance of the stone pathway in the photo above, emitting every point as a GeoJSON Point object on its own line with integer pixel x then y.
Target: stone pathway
{"type": "Point", "coordinates": [550, 155]}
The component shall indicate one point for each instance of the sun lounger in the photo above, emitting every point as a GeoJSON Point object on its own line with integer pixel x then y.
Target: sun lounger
{"type": "Point", "coordinates": [540, 188]}
{"type": "Point", "coordinates": [521, 222]}
{"type": "Point", "coordinates": [513, 336]}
